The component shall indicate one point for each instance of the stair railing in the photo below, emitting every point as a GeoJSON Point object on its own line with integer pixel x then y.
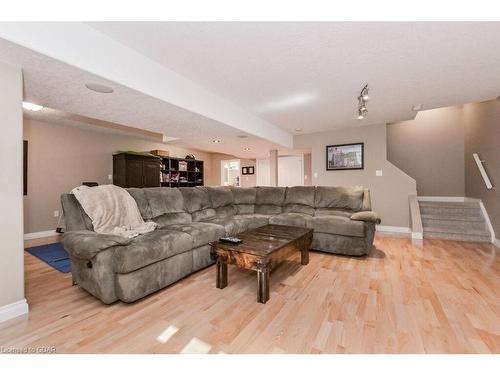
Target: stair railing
{"type": "Point", "coordinates": [484, 175]}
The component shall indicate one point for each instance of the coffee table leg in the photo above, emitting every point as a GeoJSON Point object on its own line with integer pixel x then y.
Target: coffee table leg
{"type": "Point", "coordinates": [221, 275]}
{"type": "Point", "coordinates": [263, 284]}
{"type": "Point", "coordinates": [304, 256]}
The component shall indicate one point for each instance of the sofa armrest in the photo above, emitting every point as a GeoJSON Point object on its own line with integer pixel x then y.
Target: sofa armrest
{"type": "Point", "coordinates": [366, 216]}
{"type": "Point", "coordinates": [87, 244]}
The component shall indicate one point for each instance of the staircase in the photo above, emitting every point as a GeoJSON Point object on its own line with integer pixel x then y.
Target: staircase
{"type": "Point", "coordinates": [461, 221]}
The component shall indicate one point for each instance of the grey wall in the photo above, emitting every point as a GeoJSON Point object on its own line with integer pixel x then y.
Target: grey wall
{"type": "Point", "coordinates": [11, 182]}
{"type": "Point", "coordinates": [482, 136]}
{"type": "Point", "coordinates": [389, 192]}
{"type": "Point", "coordinates": [430, 149]}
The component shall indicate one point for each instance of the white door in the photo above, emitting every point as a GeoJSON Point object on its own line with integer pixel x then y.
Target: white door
{"type": "Point", "coordinates": [291, 170]}
{"type": "Point", "coordinates": [263, 172]}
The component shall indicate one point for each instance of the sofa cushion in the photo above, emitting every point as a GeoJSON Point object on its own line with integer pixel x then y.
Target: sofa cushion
{"type": "Point", "coordinates": [220, 196]}
{"type": "Point", "coordinates": [232, 225]}
{"type": "Point", "coordinates": [149, 248]}
{"type": "Point", "coordinates": [268, 209]}
{"type": "Point", "coordinates": [229, 210]}
{"type": "Point", "coordinates": [337, 225]}
{"type": "Point", "coordinates": [350, 198]}
{"type": "Point", "coordinates": [332, 212]}
{"type": "Point", "coordinates": [173, 218]}
{"type": "Point", "coordinates": [245, 208]}
{"type": "Point", "coordinates": [269, 200]}
{"type": "Point", "coordinates": [366, 216]}
{"type": "Point", "coordinates": [300, 195]}
{"type": "Point", "coordinates": [140, 198]}
{"type": "Point", "coordinates": [244, 199]}
{"type": "Point", "coordinates": [299, 199]}
{"type": "Point", "coordinates": [292, 219]}
{"type": "Point", "coordinates": [244, 195]}
{"type": "Point", "coordinates": [252, 221]}
{"type": "Point", "coordinates": [197, 203]}
{"type": "Point", "coordinates": [163, 200]}
{"type": "Point", "coordinates": [202, 233]}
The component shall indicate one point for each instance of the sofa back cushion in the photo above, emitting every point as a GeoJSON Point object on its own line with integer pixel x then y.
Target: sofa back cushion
{"type": "Point", "coordinates": [166, 205]}
{"type": "Point", "coordinates": [75, 217]}
{"type": "Point", "coordinates": [140, 198]}
{"type": "Point", "coordinates": [222, 200]}
{"type": "Point", "coordinates": [299, 199]}
{"type": "Point", "coordinates": [197, 203]}
{"type": "Point", "coordinates": [269, 200]}
{"type": "Point", "coordinates": [343, 198]}
{"type": "Point", "coordinates": [244, 199]}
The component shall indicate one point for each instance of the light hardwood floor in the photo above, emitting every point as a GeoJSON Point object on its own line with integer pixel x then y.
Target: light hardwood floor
{"type": "Point", "coordinates": [433, 297]}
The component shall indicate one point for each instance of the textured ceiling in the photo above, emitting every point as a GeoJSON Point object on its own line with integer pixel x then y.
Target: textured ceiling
{"type": "Point", "coordinates": [61, 87]}
{"type": "Point", "coordinates": [293, 75]}
{"type": "Point", "coordinates": [308, 75]}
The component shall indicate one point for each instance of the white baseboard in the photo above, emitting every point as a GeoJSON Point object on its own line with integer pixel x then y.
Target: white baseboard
{"type": "Point", "coordinates": [425, 198]}
{"type": "Point", "coordinates": [488, 222]}
{"type": "Point", "coordinates": [35, 235]}
{"type": "Point", "coordinates": [13, 310]}
{"type": "Point", "coordinates": [391, 229]}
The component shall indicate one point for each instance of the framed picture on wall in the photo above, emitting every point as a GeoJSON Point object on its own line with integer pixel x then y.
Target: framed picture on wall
{"type": "Point", "coordinates": [251, 170]}
{"type": "Point", "coordinates": [345, 157]}
{"type": "Point", "coordinates": [244, 170]}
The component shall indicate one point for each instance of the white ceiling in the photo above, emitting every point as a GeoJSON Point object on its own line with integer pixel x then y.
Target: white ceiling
{"type": "Point", "coordinates": [61, 88]}
{"type": "Point", "coordinates": [269, 76]}
{"type": "Point", "coordinates": [307, 75]}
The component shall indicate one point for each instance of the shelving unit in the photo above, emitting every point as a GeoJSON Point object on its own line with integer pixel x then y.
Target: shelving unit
{"type": "Point", "coordinates": [177, 172]}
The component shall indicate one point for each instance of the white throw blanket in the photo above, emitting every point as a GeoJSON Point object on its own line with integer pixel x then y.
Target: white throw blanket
{"type": "Point", "coordinates": [112, 210]}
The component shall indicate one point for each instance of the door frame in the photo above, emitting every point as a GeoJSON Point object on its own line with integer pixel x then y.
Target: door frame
{"type": "Point", "coordinates": [222, 169]}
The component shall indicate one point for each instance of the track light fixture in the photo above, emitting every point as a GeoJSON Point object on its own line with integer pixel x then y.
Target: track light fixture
{"type": "Point", "coordinates": [362, 99]}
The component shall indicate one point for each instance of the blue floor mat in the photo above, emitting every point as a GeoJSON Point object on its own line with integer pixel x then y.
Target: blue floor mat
{"type": "Point", "coordinates": [54, 255]}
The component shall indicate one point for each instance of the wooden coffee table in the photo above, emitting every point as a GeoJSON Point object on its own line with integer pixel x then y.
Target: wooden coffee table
{"type": "Point", "coordinates": [261, 250]}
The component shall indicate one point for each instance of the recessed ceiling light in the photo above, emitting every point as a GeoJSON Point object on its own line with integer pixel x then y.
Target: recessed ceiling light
{"type": "Point", "coordinates": [32, 107]}
{"type": "Point", "coordinates": [97, 87]}
{"type": "Point", "coordinates": [417, 107]}
{"type": "Point", "coordinates": [216, 141]}
{"type": "Point", "coordinates": [298, 129]}
{"type": "Point", "coordinates": [247, 149]}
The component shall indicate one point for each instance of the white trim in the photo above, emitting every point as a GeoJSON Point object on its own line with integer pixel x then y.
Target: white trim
{"type": "Point", "coordinates": [417, 235]}
{"type": "Point", "coordinates": [13, 310]}
{"type": "Point", "coordinates": [496, 242]}
{"type": "Point", "coordinates": [391, 229]}
{"type": "Point", "coordinates": [484, 175]}
{"type": "Point", "coordinates": [488, 222]}
{"type": "Point", "coordinates": [35, 235]}
{"type": "Point", "coordinates": [424, 198]}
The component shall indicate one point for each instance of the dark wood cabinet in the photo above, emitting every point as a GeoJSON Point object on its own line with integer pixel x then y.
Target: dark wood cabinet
{"type": "Point", "coordinates": [136, 171]}
{"type": "Point", "coordinates": [177, 172]}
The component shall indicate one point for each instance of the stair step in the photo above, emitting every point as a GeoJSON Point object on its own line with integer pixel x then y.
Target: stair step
{"type": "Point", "coordinates": [455, 225]}
{"type": "Point", "coordinates": [469, 231]}
{"type": "Point", "coordinates": [450, 211]}
{"type": "Point", "coordinates": [464, 204]}
{"type": "Point", "coordinates": [457, 236]}
{"type": "Point", "coordinates": [471, 217]}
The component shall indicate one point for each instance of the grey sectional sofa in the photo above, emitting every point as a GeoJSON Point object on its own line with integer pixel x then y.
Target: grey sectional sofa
{"type": "Point", "coordinates": [115, 268]}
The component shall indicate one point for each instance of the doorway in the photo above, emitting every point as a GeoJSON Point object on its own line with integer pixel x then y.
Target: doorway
{"type": "Point", "coordinates": [230, 172]}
